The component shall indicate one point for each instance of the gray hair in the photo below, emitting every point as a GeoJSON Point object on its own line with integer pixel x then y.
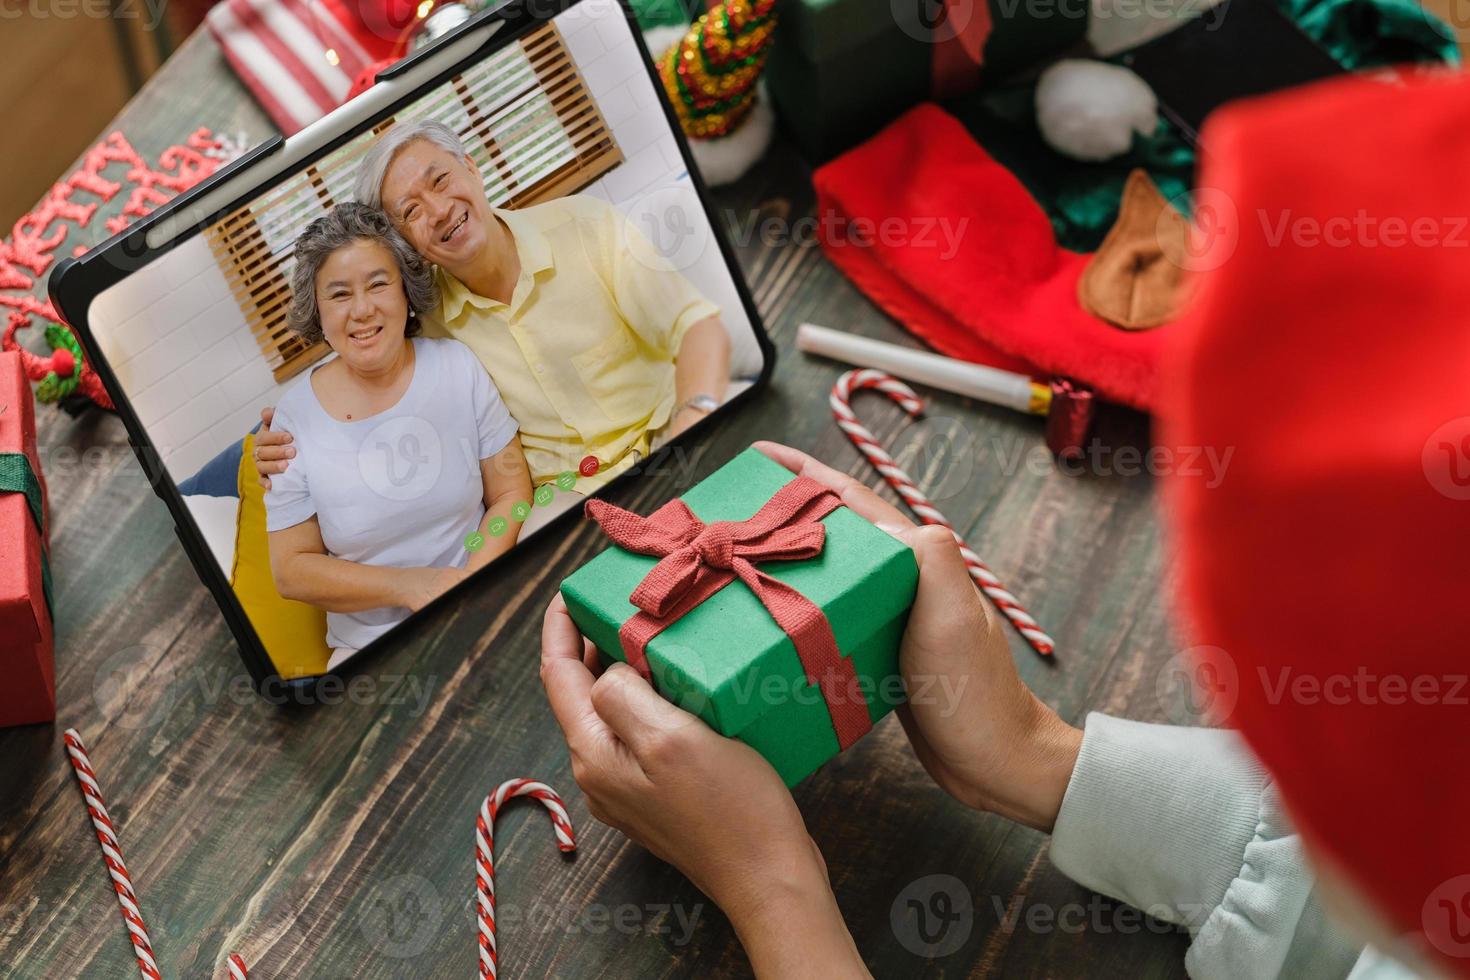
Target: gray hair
{"type": "Point", "coordinates": [373, 169]}
{"type": "Point", "coordinates": [343, 225]}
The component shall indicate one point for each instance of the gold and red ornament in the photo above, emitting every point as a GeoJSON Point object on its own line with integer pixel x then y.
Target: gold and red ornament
{"type": "Point", "coordinates": [711, 74]}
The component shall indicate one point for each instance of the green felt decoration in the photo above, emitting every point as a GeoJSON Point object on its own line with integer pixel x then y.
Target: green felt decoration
{"type": "Point", "coordinates": [1081, 198]}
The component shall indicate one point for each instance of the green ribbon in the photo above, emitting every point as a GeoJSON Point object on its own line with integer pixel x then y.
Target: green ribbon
{"type": "Point", "coordinates": [17, 476]}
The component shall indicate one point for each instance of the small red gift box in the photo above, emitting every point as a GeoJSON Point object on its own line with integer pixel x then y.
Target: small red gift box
{"type": "Point", "coordinates": [28, 694]}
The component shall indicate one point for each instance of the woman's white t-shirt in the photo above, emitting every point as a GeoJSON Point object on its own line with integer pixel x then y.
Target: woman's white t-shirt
{"type": "Point", "coordinates": [401, 488]}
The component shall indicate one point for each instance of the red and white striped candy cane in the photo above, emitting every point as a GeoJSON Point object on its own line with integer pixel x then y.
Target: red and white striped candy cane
{"type": "Point", "coordinates": [127, 899]}
{"type": "Point", "coordinates": [485, 853]}
{"type": "Point", "coordinates": [484, 847]}
{"type": "Point", "coordinates": [900, 481]}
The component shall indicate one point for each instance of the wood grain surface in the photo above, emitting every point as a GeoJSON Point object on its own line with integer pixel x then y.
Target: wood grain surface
{"type": "Point", "coordinates": [335, 841]}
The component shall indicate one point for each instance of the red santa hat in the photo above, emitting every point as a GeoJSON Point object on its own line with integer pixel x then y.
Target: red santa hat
{"type": "Point", "coordinates": [1329, 353]}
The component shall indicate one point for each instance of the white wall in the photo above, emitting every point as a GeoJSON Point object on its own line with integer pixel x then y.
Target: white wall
{"type": "Point", "coordinates": [181, 349]}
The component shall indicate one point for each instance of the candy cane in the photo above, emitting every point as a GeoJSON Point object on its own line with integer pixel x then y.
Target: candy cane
{"type": "Point", "coordinates": [900, 481]}
{"type": "Point", "coordinates": [566, 841]}
{"type": "Point", "coordinates": [485, 850]}
{"type": "Point", "coordinates": [122, 883]}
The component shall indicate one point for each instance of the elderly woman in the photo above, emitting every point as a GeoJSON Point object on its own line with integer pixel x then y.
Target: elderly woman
{"type": "Point", "coordinates": [411, 462]}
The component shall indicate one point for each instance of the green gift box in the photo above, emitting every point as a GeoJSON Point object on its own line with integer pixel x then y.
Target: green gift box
{"type": "Point", "coordinates": [665, 13]}
{"type": "Point", "coordinates": [723, 656]}
{"type": "Point", "coordinates": [841, 70]}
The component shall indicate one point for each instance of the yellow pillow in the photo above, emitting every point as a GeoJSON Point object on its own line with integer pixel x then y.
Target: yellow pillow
{"type": "Point", "coordinates": [294, 633]}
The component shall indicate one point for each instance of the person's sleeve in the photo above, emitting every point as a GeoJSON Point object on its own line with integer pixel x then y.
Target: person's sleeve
{"type": "Point", "coordinates": [1373, 965]}
{"type": "Point", "coordinates": [493, 420]}
{"type": "Point", "coordinates": [656, 299]}
{"type": "Point", "coordinates": [288, 502]}
{"type": "Point", "coordinates": [1186, 825]}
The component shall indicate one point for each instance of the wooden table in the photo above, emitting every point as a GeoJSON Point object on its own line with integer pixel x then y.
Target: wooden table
{"type": "Point", "coordinates": [336, 841]}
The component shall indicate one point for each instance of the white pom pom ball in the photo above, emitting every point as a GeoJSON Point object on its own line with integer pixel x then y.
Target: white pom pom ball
{"type": "Point", "coordinates": [1090, 110]}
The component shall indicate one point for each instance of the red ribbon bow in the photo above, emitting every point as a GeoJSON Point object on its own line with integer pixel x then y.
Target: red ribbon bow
{"type": "Point", "coordinates": [696, 560]}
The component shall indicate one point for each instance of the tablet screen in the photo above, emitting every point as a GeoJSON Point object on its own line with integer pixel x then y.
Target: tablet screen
{"type": "Point", "coordinates": [469, 316]}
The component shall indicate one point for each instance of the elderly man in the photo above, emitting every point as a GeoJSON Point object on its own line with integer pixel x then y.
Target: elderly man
{"type": "Point", "coordinates": [599, 347]}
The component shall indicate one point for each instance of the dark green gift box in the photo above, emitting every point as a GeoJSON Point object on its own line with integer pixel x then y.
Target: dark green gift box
{"type": "Point", "coordinates": [841, 70]}
{"type": "Point", "coordinates": [727, 661]}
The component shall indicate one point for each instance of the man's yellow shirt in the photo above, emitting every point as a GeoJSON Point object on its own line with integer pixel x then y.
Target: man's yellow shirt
{"type": "Point", "coordinates": [583, 354]}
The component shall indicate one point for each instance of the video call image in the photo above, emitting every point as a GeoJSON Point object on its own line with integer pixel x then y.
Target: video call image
{"type": "Point", "coordinates": [467, 320]}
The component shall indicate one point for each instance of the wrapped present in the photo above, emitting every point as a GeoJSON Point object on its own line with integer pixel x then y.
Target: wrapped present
{"type": "Point", "coordinates": [759, 603]}
{"type": "Point", "coordinates": [29, 692]}
{"type": "Point", "coordinates": [840, 70]}
{"type": "Point", "coordinates": [665, 13]}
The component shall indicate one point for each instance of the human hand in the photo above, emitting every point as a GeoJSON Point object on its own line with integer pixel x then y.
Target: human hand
{"type": "Point", "coordinates": [684, 418]}
{"type": "Point", "coordinates": [709, 805]}
{"type": "Point", "coordinates": [272, 449]}
{"type": "Point", "coordinates": [423, 585]}
{"type": "Point", "coordinates": [978, 730]}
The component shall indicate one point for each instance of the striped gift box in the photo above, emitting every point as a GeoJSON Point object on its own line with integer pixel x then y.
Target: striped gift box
{"type": "Point", "coordinates": [298, 57]}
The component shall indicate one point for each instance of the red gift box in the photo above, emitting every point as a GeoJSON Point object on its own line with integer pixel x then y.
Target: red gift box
{"type": "Point", "coordinates": [28, 694]}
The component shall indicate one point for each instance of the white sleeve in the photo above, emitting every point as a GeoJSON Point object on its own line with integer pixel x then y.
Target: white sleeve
{"type": "Point", "coordinates": [288, 502]}
{"type": "Point", "coordinates": [1186, 825]}
{"type": "Point", "coordinates": [492, 418]}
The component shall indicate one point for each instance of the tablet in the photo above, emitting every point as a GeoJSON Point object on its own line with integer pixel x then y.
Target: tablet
{"type": "Point", "coordinates": [475, 295]}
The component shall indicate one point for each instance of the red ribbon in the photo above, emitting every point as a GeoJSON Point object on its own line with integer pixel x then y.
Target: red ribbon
{"type": "Point", "coordinates": [696, 560]}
